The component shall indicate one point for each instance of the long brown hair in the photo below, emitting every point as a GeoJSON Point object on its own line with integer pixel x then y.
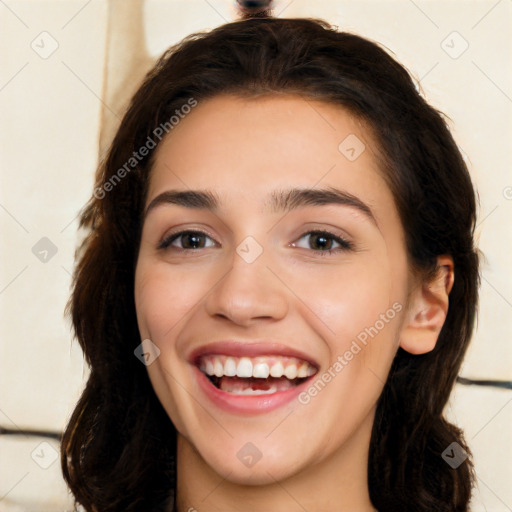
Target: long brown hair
{"type": "Point", "coordinates": [118, 451]}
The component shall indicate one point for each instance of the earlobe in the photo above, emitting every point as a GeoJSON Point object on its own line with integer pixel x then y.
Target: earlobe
{"type": "Point", "coordinates": [428, 307]}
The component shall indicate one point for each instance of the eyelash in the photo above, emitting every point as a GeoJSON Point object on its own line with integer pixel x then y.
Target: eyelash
{"type": "Point", "coordinates": [345, 245]}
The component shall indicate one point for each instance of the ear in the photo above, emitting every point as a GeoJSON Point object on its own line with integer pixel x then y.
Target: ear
{"type": "Point", "coordinates": [428, 307]}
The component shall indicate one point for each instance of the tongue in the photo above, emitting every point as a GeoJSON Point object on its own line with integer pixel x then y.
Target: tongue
{"type": "Point", "coordinates": [237, 384]}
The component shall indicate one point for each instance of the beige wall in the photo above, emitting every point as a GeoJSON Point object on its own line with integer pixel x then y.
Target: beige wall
{"type": "Point", "coordinates": [66, 69]}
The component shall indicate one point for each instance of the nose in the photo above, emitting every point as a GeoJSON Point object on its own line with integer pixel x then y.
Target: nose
{"type": "Point", "coordinates": [247, 294]}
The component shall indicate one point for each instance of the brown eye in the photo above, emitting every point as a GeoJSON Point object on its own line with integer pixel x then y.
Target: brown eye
{"type": "Point", "coordinates": [187, 240]}
{"type": "Point", "coordinates": [323, 241]}
{"type": "Point", "coordinates": [192, 241]}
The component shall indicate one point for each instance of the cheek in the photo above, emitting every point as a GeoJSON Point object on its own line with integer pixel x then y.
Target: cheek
{"type": "Point", "coordinates": [164, 297]}
{"type": "Point", "coordinates": [355, 307]}
{"type": "Point", "coordinates": [348, 297]}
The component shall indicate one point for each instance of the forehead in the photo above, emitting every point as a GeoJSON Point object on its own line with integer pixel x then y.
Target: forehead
{"type": "Point", "coordinates": [248, 147]}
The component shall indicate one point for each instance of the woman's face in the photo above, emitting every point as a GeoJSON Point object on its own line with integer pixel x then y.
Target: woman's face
{"type": "Point", "coordinates": [271, 248]}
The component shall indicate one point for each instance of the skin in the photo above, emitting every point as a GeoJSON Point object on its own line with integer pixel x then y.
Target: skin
{"type": "Point", "coordinates": [314, 454]}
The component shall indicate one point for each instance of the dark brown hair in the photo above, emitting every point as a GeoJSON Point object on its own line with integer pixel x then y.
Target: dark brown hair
{"type": "Point", "coordinates": [118, 451]}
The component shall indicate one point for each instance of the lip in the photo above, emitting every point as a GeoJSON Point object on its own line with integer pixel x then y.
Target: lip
{"type": "Point", "coordinates": [248, 349]}
{"type": "Point", "coordinates": [248, 404]}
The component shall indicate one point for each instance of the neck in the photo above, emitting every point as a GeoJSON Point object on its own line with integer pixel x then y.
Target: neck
{"type": "Point", "coordinates": [338, 482]}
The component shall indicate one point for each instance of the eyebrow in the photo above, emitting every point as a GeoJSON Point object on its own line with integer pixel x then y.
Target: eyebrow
{"type": "Point", "coordinates": [278, 201]}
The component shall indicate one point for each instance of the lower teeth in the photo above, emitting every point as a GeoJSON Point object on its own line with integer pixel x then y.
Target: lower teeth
{"type": "Point", "coordinates": [253, 386]}
{"type": "Point", "coordinates": [250, 391]}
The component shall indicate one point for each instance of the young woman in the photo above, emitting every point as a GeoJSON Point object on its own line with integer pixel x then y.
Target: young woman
{"type": "Point", "coordinates": [278, 287]}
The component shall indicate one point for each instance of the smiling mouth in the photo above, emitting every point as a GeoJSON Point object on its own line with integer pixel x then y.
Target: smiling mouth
{"type": "Point", "coordinates": [262, 375]}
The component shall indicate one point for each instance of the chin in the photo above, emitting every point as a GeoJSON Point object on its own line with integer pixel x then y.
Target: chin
{"type": "Point", "coordinates": [261, 462]}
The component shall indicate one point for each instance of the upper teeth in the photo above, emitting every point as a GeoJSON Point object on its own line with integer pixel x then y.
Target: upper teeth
{"type": "Point", "coordinates": [258, 367]}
